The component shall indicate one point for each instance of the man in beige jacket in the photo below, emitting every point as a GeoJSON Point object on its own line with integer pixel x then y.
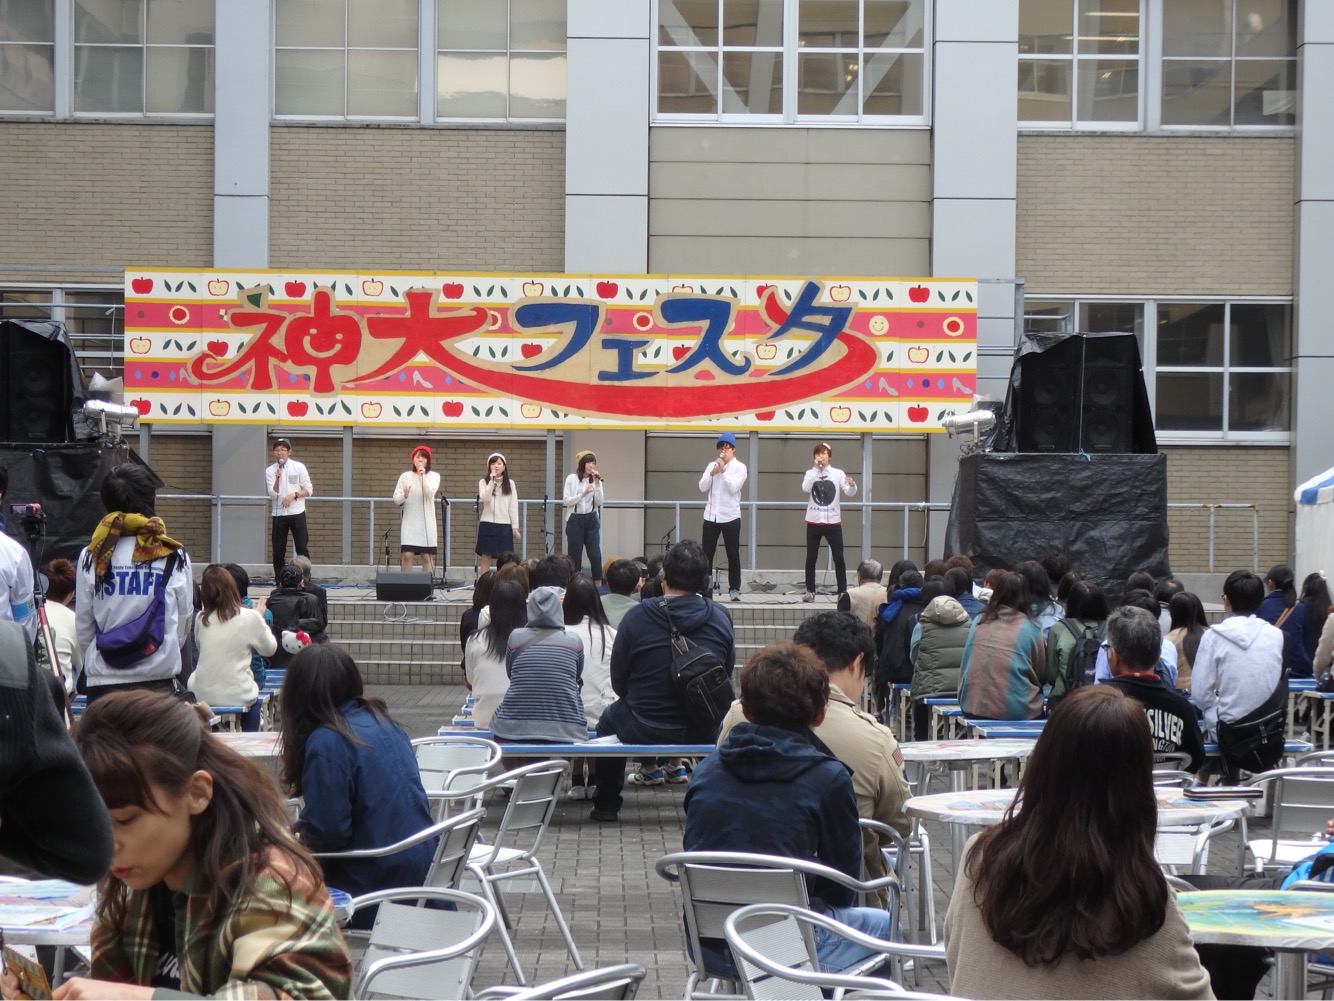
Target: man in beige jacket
{"type": "Point", "coordinates": [845, 646]}
{"type": "Point", "coordinates": [869, 594]}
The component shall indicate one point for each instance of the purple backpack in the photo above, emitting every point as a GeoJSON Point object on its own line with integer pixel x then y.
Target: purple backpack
{"type": "Point", "coordinates": [124, 646]}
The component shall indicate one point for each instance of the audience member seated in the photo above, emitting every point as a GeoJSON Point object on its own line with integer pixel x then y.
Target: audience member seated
{"type": "Point", "coordinates": [316, 591]}
{"type": "Point", "coordinates": [936, 650]}
{"type": "Point", "coordinates": [1064, 899]}
{"type": "Point", "coordinates": [1005, 657]}
{"type": "Point", "coordinates": [1134, 643]}
{"type": "Point", "coordinates": [546, 671]}
{"type": "Point", "coordinates": [1043, 609]}
{"type": "Point", "coordinates": [1163, 592]}
{"type": "Point", "coordinates": [1085, 612]}
{"type": "Point", "coordinates": [624, 579]}
{"type": "Point", "coordinates": [1188, 626]}
{"type": "Point", "coordinates": [484, 660]}
{"type": "Point", "coordinates": [481, 597]}
{"type": "Point", "coordinates": [893, 630]}
{"type": "Point", "coordinates": [772, 788]}
{"type": "Point", "coordinates": [864, 600]}
{"type": "Point", "coordinates": [64, 629]}
{"type": "Point", "coordinates": [293, 610]}
{"type": "Point", "coordinates": [354, 766]}
{"type": "Point", "coordinates": [228, 635]}
{"type": "Point", "coordinates": [1167, 656]}
{"type": "Point", "coordinates": [1239, 660]}
{"type": "Point", "coordinates": [961, 588]}
{"type": "Point", "coordinates": [843, 644]}
{"type": "Point", "coordinates": [208, 895]}
{"type": "Point", "coordinates": [1282, 608]}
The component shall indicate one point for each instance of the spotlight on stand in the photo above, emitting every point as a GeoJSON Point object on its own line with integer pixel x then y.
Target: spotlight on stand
{"type": "Point", "coordinates": [113, 418]}
{"type": "Point", "coordinates": [976, 421]}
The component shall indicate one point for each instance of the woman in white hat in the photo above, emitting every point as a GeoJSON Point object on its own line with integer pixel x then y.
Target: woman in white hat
{"type": "Point", "coordinates": [583, 514]}
{"type": "Point", "coordinates": [498, 511]}
{"type": "Point", "coordinates": [415, 494]}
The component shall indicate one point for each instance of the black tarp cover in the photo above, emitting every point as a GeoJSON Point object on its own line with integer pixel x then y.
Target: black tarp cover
{"type": "Point", "coordinates": [1107, 513]}
{"type": "Point", "coordinates": [1143, 440]}
{"type": "Point", "coordinates": [65, 479]}
{"type": "Point", "coordinates": [50, 330]}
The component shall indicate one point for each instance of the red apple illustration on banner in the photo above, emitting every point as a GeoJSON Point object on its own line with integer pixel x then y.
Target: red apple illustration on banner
{"type": "Point", "coordinates": [218, 286]}
{"type": "Point", "coordinates": [919, 293]}
{"type": "Point", "coordinates": [141, 286]}
{"type": "Point", "coordinates": [608, 290]}
{"type": "Point", "coordinates": [679, 352]}
{"type": "Point", "coordinates": [918, 355]}
{"type": "Point", "coordinates": [918, 415]}
{"type": "Point", "coordinates": [451, 290]}
{"type": "Point", "coordinates": [295, 290]}
{"type": "Point", "coordinates": [766, 352]}
{"type": "Point", "coordinates": [216, 348]}
{"type": "Point", "coordinates": [452, 408]}
{"type": "Point", "coordinates": [530, 350]}
{"type": "Point", "coordinates": [219, 408]}
{"type": "Point", "coordinates": [143, 406]}
{"type": "Point", "coordinates": [840, 415]}
{"type": "Point", "coordinates": [530, 410]}
{"type": "Point", "coordinates": [767, 415]}
{"type": "Point", "coordinates": [140, 345]}
{"type": "Point", "coordinates": [298, 408]}
{"type": "Point", "coordinates": [840, 293]}
{"type": "Point", "coordinates": [371, 410]}
{"type": "Point", "coordinates": [761, 289]}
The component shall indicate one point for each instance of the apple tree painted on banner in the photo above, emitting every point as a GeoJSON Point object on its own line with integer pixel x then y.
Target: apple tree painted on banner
{"type": "Point", "coordinates": [549, 351]}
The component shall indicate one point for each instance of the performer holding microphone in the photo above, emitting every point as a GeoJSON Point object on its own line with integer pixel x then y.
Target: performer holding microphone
{"type": "Point", "coordinates": [415, 494]}
{"type": "Point", "coordinates": [722, 481]}
{"type": "Point", "coordinates": [583, 514]}
{"type": "Point", "coordinates": [498, 518]}
{"type": "Point", "coordinates": [824, 516]}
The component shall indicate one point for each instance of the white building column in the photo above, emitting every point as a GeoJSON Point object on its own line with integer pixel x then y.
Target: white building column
{"type": "Point", "coordinates": [242, 108]}
{"type": "Point", "coordinates": [974, 128]}
{"type": "Point", "coordinates": [606, 206]}
{"type": "Point", "coordinates": [1313, 257]}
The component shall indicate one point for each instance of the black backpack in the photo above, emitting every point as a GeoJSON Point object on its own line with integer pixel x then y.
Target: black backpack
{"type": "Point", "coordinates": [704, 684]}
{"type": "Point", "coordinates": [1082, 666]}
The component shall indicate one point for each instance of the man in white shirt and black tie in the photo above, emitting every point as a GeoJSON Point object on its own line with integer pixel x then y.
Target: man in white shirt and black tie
{"type": "Point", "coordinates": [287, 484]}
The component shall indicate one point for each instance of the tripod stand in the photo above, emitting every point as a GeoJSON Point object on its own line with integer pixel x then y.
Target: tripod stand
{"type": "Point", "coordinates": [34, 527]}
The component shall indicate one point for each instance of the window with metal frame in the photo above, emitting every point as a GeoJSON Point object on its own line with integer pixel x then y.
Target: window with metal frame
{"type": "Point", "coordinates": [767, 61]}
{"type": "Point", "coordinates": [503, 60]}
{"type": "Point", "coordinates": [1216, 370]}
{"type": "Point", "coordinates": [143, 57]}
{"type": "Point", "coordinates": [27, 57]}
{"type": "Point", "coordinates": [1079, 62]}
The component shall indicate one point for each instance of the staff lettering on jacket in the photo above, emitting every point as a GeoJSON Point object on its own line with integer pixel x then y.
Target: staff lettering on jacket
{"type": "Point", "coordinates": [133, 581]}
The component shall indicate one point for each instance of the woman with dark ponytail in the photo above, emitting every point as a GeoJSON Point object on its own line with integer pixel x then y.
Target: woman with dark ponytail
{"type": "Point", "coordinates": [1281, 608]}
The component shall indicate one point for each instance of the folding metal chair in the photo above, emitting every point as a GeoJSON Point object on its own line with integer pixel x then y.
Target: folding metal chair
{"type": "Point", "coordinates": [613, 983]}
{"type": "Point", "coordinates": [454, 763]}
{"type": "Point", "coordinates": [1303, 800]}
{"type": "Point", "coordinates": [415, 951]}
{"type": "Point", "coordinates": [456, 834]}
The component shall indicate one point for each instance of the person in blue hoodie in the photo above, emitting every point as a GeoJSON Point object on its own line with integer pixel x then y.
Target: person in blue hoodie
{"type": "Point", "coordinates": [773, 788]}
{"type": "Point", "coordinates": [893, 630]}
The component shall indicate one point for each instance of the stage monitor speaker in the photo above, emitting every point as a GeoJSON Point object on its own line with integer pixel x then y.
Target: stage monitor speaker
{"type": "Point", "coordinates": [1078, 396]}
{"type": "Point", "coordinates": [400, 585]}
{"type": "Point", "coordinates": [35, 374]}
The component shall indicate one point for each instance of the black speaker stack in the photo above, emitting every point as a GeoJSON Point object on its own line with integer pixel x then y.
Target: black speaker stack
{"type": "Point", "coordinates": [1078, 397]}
{"type": "Point", "coordinates": [403, 585]}
{"type": "Point", "coordinates": [34, 372]}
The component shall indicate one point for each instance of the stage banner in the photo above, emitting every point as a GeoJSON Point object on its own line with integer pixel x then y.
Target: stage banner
{"type": "Point", "coordinates": [524, 352]}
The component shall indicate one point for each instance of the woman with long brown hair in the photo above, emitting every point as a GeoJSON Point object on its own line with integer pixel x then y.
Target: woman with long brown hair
{"type": "Point", "coordinates": [228, 634]}
{"type": "Point", "coordinates": [1064, 897]}
{"type": "Point", "coordinates": [209, 893]}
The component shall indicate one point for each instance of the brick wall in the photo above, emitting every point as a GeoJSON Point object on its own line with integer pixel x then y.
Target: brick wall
{"type": "Point", "coordinates": [456, 199]}
{"type": "Point", "coordinates": [185, 464]}
{"type": "Point", "coordinates": [105, 195]}
{"type": "Point", "coordinates": [1155, 215]}
{"type": "Point", "coordinates": [1233, 475]}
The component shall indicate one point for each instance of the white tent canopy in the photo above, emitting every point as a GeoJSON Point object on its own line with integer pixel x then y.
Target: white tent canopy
{"type": "Point", "coordinates": [1315, 525]}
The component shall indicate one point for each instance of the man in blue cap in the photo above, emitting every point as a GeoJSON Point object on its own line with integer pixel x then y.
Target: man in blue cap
{"type": "Point", "coordinates": [722, 481]}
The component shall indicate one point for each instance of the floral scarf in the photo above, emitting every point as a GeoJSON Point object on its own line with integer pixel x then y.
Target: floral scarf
{"type": "Point", "coordinates": [151, 540]}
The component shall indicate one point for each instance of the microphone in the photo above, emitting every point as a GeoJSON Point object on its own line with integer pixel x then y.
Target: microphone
{"type": "Point", "coordinates": [597, 478]}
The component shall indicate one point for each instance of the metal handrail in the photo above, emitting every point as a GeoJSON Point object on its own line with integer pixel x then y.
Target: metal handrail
{"type": "Point", "coordinates": [753, 508]}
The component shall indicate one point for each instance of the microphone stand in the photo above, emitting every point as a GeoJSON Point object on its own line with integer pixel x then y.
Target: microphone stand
{"type": "Point", "coordinates": [477, 517]}
{"type": "Point", "coordinates": [386, 547]}
{"type": "Point", "coordinates": [548, 538]}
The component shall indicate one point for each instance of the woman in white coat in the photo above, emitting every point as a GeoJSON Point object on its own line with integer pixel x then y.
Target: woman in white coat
{"type": "Point", "coordinates": [226, 632]}
{"type": "Point", "coordinates": [415, 494]}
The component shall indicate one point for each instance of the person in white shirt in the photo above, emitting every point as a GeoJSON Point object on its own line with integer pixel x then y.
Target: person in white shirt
{"type": "Point", "coordinates": [722, 480]}
{"type": "Point", "coordinates": [415, 493]}
{"type": "Point", "coordinates": [583, 514]}
{"type": "Point", "coordinates": [60, 616]}
{"type": "Point", "coordinates": [1240, 660]}
{"type": "Point", "coordinates": [16, 577]}
{"type": "Point", "coordinates": [824, 516]}
{"type": "Point", "coordinates": [498, 511]}
{"type": "Point", "coordinates": [287, 484]}
{"type": "Point", "coordinates": [226, 632]}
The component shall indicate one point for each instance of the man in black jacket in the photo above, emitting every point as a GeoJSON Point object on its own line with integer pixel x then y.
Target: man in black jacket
{"type": "Point", "coordinates": [649, 709]}
{"type": "Point", "coordinates": [1134, 646]}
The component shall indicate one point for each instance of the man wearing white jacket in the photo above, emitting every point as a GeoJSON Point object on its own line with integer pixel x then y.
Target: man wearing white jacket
{"type": "Point", "coordinates": [824, 516]}
{"type": "Point", "coordinates": [1239, 660]}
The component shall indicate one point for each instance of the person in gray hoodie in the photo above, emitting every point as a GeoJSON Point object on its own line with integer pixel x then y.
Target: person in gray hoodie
{"type": "Point", "coordinates": [1239, 660]}
{"type": "Point", "coordinates": [546, 670]}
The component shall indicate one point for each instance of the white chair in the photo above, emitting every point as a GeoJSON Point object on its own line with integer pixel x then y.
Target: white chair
{"type": "Point", "coordinates": [457, 835]}
{"type": "Point", "coordinates": [454, 763]}
{"type": "Point", "coordinates": [416, 951]}
{"type": "Point", "coordinates": [613, 983]}
{"type": "Point", "coordinates": [775, 948]}
{"type": "Point", "coordinates": [1178, 848]}
{"type": "Point", "coordinates": [918, 905]}
{"type": "Point", "coordinates": [714, 884]}
{"type": "Point", "coordinates": [536, 789]}
{"type": "Point", "coordinates": [1303, 801]}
